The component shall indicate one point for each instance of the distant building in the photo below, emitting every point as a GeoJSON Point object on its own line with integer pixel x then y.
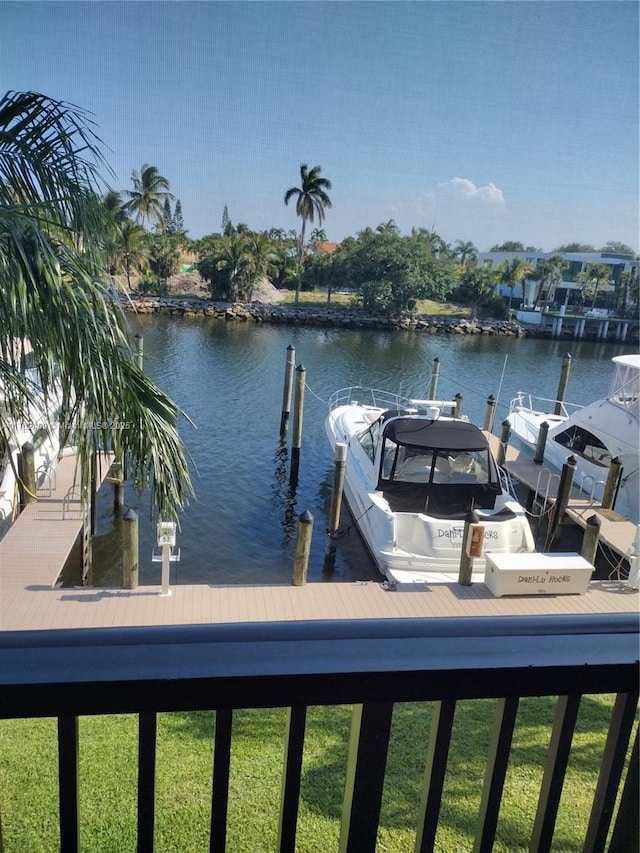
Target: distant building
{"type": "Point", "coordinates": [323, 247]}
{"type": "Point", "coordinates": [568, 291]}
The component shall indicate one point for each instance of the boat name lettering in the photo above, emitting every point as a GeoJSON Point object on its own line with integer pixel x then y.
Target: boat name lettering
{"type": "Point", "coordinates": [453, 533]}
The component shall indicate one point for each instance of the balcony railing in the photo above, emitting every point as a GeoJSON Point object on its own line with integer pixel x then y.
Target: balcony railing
{"type": "Point", "coordinates": [370, 664]}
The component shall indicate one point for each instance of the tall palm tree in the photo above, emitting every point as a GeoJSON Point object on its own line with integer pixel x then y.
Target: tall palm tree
{"type": "Point", "coordinates": [548, 273]}
{"type": "Point", "coordinates": [465, 252]}
{"type": "Point", "coordinates": [146, 199]}
{"type": "Point", "coordinates": [54, 292]}
{"type": "Point", "coordinates": [311, 198]}
{"type": "Point", "coordinates": [513, 272]}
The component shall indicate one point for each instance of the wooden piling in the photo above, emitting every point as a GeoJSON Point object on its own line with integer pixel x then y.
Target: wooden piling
{"type": "Point", "coordinates": [562, 500]}
{"type": "Point", "coordinates": [139, 350]}
{"type": "Point", "coordinates": [303, 549]}
{"type": "Point", "coordinates": [287, 390]}
{"type": "Point", "coordinates": [541, 443]}
{"type": "Point", "coordinates": [336, 500]}
{"type": "Point", "coordinates": [27, 485]}
{"type": "Point", "coordinates": [93, 493]}
{"type": "Point", "coordinates": [458, 409]}
{"type": "Point", "coordinates": [130, 555]}
{"type": "Point", "coordinates": [489, 413]}
{"type": "Point", "coordinates": [504, 442]}
{"type": "Point", "coordinates": [435, 374]}
{"type": "Point", "coordinates": [562, 386]}
{"type": "Point", "coordinates": [614, 477]}
{"type": "Point", "coordinates": [298, 412]}
{"type": "Point", "coordinates": [590, 539]}
{"type": "Point", "coordinates": [466, 560]}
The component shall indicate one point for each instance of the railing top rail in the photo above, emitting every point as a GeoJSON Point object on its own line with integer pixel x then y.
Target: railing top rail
{"type": "Point", "coordinates": [252, 665]}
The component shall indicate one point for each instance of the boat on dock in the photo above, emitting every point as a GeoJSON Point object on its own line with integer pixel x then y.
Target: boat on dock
{"type": "Point", "coordinates": [413, 474]}
{"type": "Point", "coordinates": [594, 435]}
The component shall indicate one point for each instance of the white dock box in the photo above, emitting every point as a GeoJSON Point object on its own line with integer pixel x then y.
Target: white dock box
{"type": "Point", "coordinates": [537, 574]}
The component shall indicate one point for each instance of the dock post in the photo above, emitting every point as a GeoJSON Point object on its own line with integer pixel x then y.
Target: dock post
{"type": "Point", "coordinates": [435, 374]}
{"type": "Point", "coordinates": [504, 442]}
{"type": "Point", "coordinates": [130, 549]}
{"type": "Point", "coordinates": [562, 499]}
{"type": "Point", "coordinates": [564, 379]}
{"type": "Point", "coordinates": [287, 390]}
{"type": "Point", "coordinates": [489, 413]}
{"type": "Point", "coordinates": [541, 443]}
{"type": "Point", "coordinates": [27, 473]}
{"type": "Point", "coordinates": [336, 500]}
{"type": "Point", "coordinates": [614, 477]}
{"type": "Point", "coordinates": [590, 539]}
{"type": "Point", "coordinates": [458, 409]}
{"type": "Point", "coordinates": [468, 551]}
{"type": "Point", "coordinates": [298, 412]}
{"type": "Point", "coordinates": [139, 350]}
{"type": "Point", "coordinates": [303, 549]}
{"type": "Point", "coordinates": [118, 488]}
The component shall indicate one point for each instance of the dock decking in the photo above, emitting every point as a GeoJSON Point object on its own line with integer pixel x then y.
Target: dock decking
{"type": "Point", "coordinates": [36, 547]}
{"type": "Point", "coordinates": [616, 532]}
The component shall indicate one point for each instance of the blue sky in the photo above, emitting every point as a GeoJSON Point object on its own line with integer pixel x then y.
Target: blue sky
{"type": "Point", "coordinates": [486, 120]}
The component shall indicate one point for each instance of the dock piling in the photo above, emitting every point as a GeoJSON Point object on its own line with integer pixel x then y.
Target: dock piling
{"type": "Point", "coordinates": [562, 501]}
{"type": "Point", "coordinates": [470, 548]}
{"type": "Point", "coordinates": [130, 549]}
{"type": "Point", "coordinates": [435, 373]}
{"type": "Point", "coordinates": [490, 413]}
{"type": "Point", "coordinates": [27, 472]}
{"type": "Point", "coordinates": [504, 441]}
{"type": "Point", "coordinates": [590, 539]}
{"type": "Point", "coordinates": [564, 379]}
{"type": "Point", "coordinates": [139, 350]}
{"type": "Point", "coordinates": [287, 390]}
{"type": "Point", "coordinates": [303, 549]}
{"type": "Point", "coordinates": [458, 409]}
{"type": "Point", "coordinates": [297, 423]}
{"type": "Point", "coordinates": [336, 500]}
{"type": "Point", "coordinates": [541, 443]}
{"type": "Point", "coordinates": [613, 483]}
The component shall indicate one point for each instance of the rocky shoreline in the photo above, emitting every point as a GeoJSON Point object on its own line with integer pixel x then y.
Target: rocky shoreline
{"type": "Point", "coordinates": [259, 312]}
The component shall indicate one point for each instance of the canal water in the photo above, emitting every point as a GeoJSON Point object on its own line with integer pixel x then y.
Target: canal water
{"type": "Point", "coordinates": [228, 378]}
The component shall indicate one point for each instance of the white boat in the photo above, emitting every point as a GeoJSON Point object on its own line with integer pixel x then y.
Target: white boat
{"type": "Point", "coordinates": [413, 474]}
{"type": "Point", "coordinates": [41, 428]}
{"type": "Point", "coordinates": [594, 434]}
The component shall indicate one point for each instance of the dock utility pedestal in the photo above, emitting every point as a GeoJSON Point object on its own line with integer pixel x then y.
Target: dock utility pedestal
{"type": "Point", "coordinates": [537, 574]}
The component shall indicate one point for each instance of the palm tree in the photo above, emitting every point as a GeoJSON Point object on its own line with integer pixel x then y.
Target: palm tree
{"type": "Point", "coordinates": [549, 273]}
{"type": "Point", "coordinates": [478, 284]}
{"type": "Point", "coordinates": [465, 252]}
{"type": "Point", "coordinates": [513, 272]}
{"type": "Point", "coordinates": [234, 260]}
{"type": "Point", "coordinates": [146, 199]}
{"type": "Point", "coordinates": [311, 198]}
{"type": "Point", "coordinates": [54, 292]}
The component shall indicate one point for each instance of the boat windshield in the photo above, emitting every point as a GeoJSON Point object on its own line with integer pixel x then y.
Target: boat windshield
{"type": "Point", "coordinates": [406, 464]}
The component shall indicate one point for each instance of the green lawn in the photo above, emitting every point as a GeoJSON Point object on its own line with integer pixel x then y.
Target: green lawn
{"type": "Point", "coordinates": [108, 767]}
{"type": "Point", "coordinates": [318, 299]}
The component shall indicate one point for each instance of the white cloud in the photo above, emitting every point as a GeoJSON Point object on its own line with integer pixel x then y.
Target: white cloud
{"type": "Point", "coordinates": [463, 189]}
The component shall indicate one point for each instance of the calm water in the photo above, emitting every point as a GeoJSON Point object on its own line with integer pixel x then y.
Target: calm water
{"type": "Point", "coordinates": [228, 378]}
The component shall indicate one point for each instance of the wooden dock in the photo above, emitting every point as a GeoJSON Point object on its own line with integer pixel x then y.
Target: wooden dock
{"type": "Point", "coordinates": [35, 548]}
{"type": "Point", "coordinates": [616, 532]}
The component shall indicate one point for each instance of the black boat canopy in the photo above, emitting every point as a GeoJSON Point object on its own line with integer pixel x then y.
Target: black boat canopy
{"type": "Point", "coordinates": [436, 435]}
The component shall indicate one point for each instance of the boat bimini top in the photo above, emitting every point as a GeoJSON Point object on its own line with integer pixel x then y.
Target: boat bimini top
{"type": "Point", "coordinates": [441, 466]}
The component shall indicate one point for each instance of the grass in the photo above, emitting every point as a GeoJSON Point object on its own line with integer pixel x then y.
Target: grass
{"type": "Point", "coordinates": [318, 299]}
{"type": "Point", "coordinates": [108, 768]}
